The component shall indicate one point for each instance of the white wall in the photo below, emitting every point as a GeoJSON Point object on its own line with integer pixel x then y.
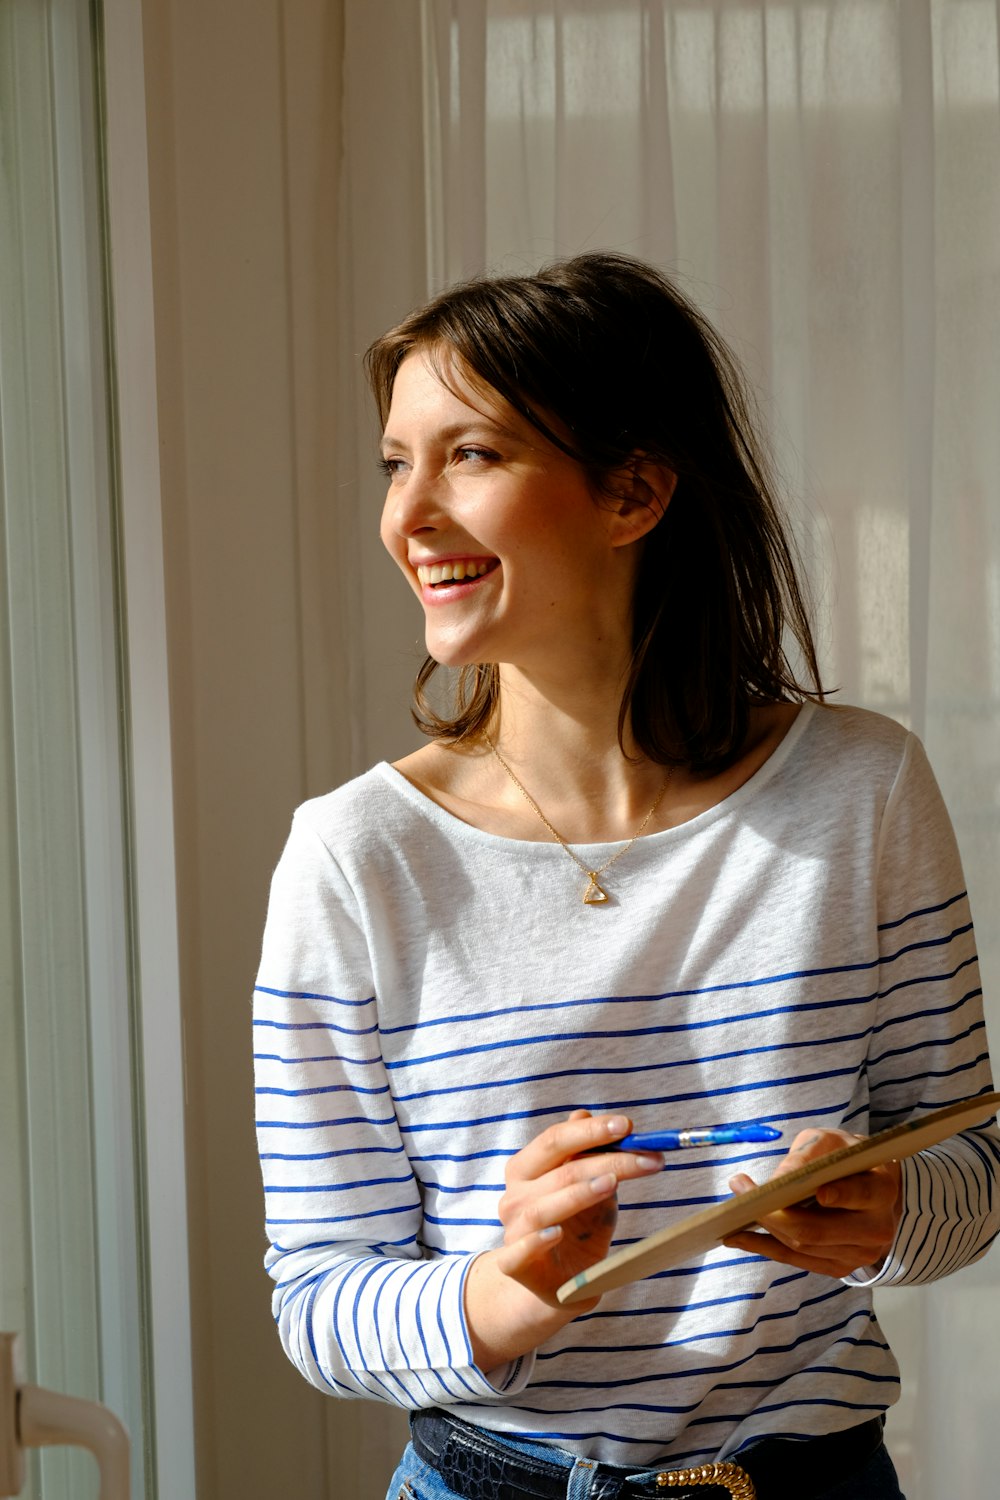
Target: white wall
{"type": "Point", "coordinates": [244, 107]}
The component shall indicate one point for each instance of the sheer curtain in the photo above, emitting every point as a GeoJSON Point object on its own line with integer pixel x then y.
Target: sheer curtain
{"type": "Point", "coordinates": [824, 179]}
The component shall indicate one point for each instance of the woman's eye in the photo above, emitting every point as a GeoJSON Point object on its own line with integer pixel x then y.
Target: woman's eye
{"type": "Point", "coordinates": [393, 468]}
{"type": "Point", "coordinates": [476, 455]}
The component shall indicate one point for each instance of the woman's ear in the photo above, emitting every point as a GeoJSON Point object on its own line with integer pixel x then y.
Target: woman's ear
{"type": "Point", "coordinates": [641, 492]}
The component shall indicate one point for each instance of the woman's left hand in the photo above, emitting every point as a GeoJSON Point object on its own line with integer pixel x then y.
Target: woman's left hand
{"type": "Point", "coordinates": [849, 1223]}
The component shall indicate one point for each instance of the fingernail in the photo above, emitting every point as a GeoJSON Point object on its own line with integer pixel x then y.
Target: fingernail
{"type": "Point", "coordinates": [604, 1182]}
{"type": "Point", "coordinates": [649, 1163]}
{"type": "Point", "coordinates": [551, 1233]}
{"type": "Point", "coordinates": [617, 1125]}
{"type": "Point", "coordinates": [740, 1184]}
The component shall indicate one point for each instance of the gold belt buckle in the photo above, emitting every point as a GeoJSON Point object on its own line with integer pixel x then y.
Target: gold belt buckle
{"type": "Point", "coordinates": [729, 1476]}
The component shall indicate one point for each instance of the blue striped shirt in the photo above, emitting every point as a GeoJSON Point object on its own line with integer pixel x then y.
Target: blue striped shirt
{"type": "Point", "coordinates": [431, 996]}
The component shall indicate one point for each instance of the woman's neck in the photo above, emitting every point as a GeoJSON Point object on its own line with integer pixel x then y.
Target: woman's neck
{"type": "Point", "coordinates": [571, 765]}
{"type": "Point", "coordinates": [561, 741]}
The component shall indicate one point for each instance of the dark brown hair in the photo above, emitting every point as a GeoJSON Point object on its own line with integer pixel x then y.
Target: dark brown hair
{"type": "Point", "coordinates": [606, 358]}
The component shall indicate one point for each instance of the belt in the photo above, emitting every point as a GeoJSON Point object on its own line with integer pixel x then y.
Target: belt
{"type": "Point", "coordinates": [472, 1462]}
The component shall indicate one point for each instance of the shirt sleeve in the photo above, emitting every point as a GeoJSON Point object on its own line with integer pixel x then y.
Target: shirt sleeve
{"type": "Point", "coordinates": [929, 1046]}
{"type": "Point", "coordinates": [360, 1307]}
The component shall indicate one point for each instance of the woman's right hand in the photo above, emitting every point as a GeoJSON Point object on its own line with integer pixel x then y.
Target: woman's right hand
{"type": "Point", "coordinates": [558, 1212]}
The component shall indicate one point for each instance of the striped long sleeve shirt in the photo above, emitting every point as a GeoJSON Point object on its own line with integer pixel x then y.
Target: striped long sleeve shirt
{"type": "Point", "coordinates": [431, 996]}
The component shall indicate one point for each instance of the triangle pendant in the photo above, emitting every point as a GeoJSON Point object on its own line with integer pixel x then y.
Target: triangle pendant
{"type": "Point", "coordinates": [594, 895]}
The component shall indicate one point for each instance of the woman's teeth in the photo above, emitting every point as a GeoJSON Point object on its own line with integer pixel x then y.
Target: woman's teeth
{"type": "Point", "coordinates": [452, 572]}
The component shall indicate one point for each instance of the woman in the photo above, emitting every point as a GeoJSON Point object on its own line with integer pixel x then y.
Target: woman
{"type": "Point", "coordinates": [640, 876]}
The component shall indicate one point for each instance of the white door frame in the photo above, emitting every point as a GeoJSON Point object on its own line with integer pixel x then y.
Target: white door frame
{"type": "Point", "coordinates": [148, 739]}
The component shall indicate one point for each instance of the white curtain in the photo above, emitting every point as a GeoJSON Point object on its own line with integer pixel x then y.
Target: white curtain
{"type": "Point", "coordinates": [824, 178]}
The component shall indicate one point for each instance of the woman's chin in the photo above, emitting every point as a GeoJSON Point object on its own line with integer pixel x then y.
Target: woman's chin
{"type": "Point", "coordinates": [454, 659]}
{"type": "Point", "coordinates": [455, 652]}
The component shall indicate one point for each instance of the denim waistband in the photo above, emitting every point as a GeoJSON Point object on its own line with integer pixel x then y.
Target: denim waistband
{"type": "Point", "coordinates": [485, 1465]}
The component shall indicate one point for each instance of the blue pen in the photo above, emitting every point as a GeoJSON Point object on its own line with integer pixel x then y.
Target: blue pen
{"type": "Point", "coordinates": [680, 1140]}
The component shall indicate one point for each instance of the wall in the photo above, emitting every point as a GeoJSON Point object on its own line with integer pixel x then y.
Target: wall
{"type": "Point", "coordinates": [244, 101]}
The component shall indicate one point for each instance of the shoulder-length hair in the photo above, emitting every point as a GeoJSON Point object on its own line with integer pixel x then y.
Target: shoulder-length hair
{"type": "Point", "coordinates": [607, 359]}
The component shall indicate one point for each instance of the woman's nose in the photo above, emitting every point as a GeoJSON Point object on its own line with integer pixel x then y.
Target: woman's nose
{"type": "Point", "coordinates": [414, 504]}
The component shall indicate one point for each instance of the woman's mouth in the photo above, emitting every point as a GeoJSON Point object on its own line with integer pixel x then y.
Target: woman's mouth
{"type": "Point", "coordinates": [454, 571]}
{"type": "Point", "coordinates": [448, 580]}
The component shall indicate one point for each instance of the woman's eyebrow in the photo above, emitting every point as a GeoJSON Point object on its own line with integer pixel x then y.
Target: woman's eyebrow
{"type": "Point", "coordinates": [454, 430]}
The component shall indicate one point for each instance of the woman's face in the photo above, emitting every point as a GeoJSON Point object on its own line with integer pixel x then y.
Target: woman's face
{"type": "Point", "coordinates": [496, 530]}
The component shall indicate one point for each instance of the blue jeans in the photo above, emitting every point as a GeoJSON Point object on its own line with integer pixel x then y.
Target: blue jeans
{"type": "Point", "coordinates": [416, 1480]}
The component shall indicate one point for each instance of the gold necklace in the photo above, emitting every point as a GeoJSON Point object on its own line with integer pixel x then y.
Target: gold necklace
{"type": "Point", "coordinates": [595, 894]}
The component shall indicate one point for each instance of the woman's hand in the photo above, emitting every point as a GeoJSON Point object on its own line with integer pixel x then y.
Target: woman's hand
{"type": "Point", "coordinates": [560, 1207]}
{"type": "Point", "coordinates": [851, 1222]}
{"type": "Point", "coordinates": [558, 1212]}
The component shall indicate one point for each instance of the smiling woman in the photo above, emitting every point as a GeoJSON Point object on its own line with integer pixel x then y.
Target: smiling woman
{"type": "Point", "coordinates": [552, 569]}
{"type": "Point", "coordinates": [603, 362]}
{"type": "Point", "coordinates": [766, 917]}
